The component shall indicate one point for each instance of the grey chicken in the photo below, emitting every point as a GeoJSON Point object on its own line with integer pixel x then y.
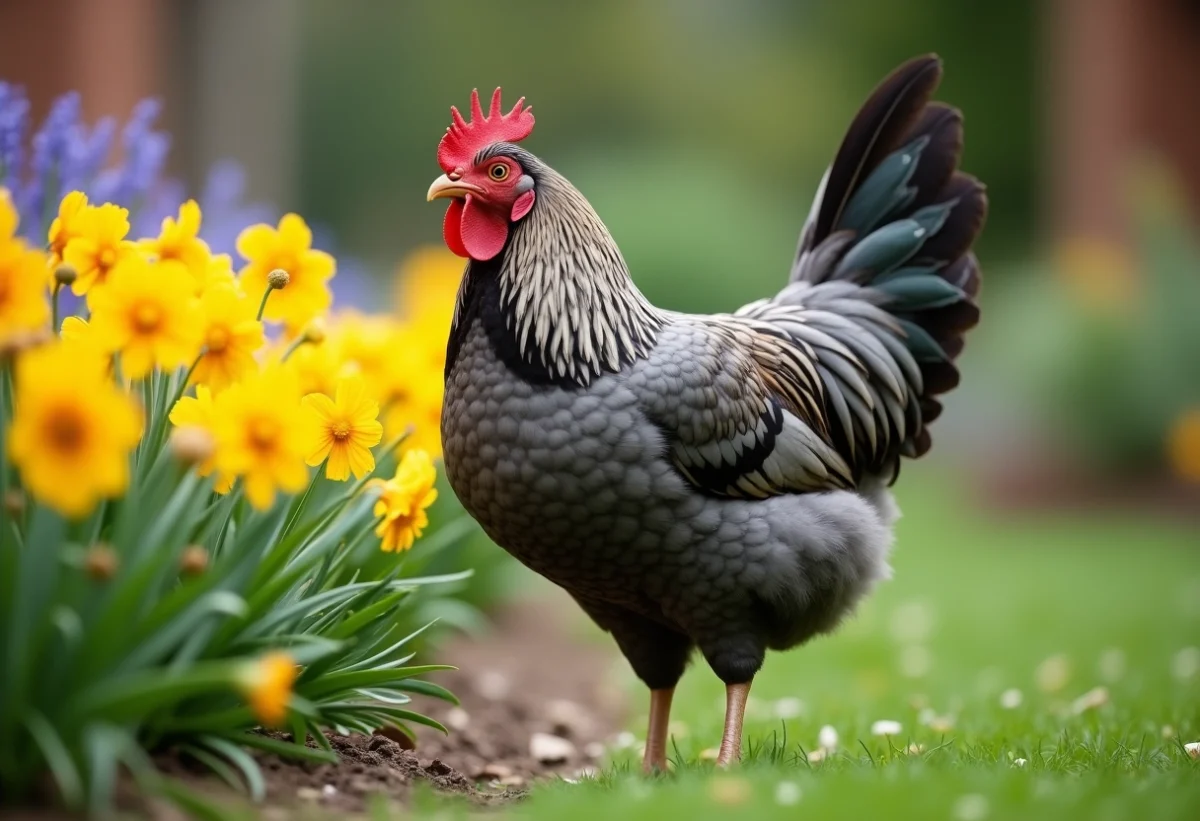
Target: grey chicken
{"type": "Point", "coordinates": [710, 482]}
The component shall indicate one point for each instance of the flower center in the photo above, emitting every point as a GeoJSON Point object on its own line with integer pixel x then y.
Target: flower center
{"type": "Point", "coordinates": [107, 257]}
{"type": "Point", "coordinates": [146, 317]}
{"type": "Point", "coordinates": [65, 431]}
{"type": "Point", "coordinates": [217, 339]}
{"type": "Point", "coordinates": [263, 433]}
{"type": "Point", "coordinates": [341, 431]}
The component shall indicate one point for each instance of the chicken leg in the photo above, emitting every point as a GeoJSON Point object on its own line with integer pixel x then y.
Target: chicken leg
{"type": "Point", "coordinates": [735, 710]}
{"type": "Point", "coordinates": [655, 758]}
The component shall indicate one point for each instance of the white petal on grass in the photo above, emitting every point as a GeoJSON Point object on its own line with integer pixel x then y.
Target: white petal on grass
{"type": "Point", "coordinates": [1193, 748]}
{"type": "Point", "coordinates": [912, 622]}
{"type": "Point", "coordinates": [827, 738]}
{"type": "Point", "coordinates": [941, 724]}
{"type": "Point", "coordinates": [787, 793]}
{"type": "Point", "coordinates": [915, 661]}
{"type": "Point", "coordinates": [789, 707]}
{"type": "Point", "coordinates": [1093, 699]}
{"type": "Point", "coordinates": [1053, 674]}
{"type": "Point", "coordinates": [1186, 664]}
{"type": "Point", "coordinates": [971, 807]}
{"type": "Point", "coordinates": [1111, 666]}
{"type": "Point", "coordinates": [886, 727]}
{"type": "Point", "coordinates": [1020, 762]}
{"type": "Point", "coordinates": [1011, 698]}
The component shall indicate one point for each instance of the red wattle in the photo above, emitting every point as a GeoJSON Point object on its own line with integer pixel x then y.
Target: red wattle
{"type": "Point", "coordinates": [482, 231]}
{"type": "Point", "coordinates": [452, 228]}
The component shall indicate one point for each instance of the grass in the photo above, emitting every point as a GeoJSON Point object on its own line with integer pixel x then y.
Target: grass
{"type": "Point", "coordinates": [1051, 606]}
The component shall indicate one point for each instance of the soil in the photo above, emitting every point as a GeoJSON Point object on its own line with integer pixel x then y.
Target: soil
{"type": "Point", "coordinates": [538, 701]}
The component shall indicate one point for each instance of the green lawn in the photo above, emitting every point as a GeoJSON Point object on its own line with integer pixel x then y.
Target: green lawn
{"type": "Point", "coordinates": [1050, 606]}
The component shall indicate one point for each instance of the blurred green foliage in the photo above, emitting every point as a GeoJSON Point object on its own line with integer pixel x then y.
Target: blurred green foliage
{"type": "Point", "coordinates": [698, 129]}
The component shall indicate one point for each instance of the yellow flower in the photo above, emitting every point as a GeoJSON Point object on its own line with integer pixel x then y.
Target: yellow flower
{"type": "Point", "coordinates": [260, 432]}
{"type": "Point", "coordinates": [77, 331]}
{"type": "Point", "coordinates": [66, 226]}
{"type": "Point", "coordinates": [231, 336]}
{"type": "Point", "coordinates": [23, 302]}
{"type": "Point", "coordinates": [429, 278]}
{"type": "Point", "coordinates": [218, 272]}
{"type": "Point", "coordinates": [288, 247]}
{"type": "Point", "coordinates": [72, 429]}
{"type": "Point", "coordinates": [98, 246]}
{"type": "Point", "coordinates": [8, 215]}
{"type": "Point", "coordinates": [403, 500]}
{"type": "Point", "coordinates": [1183, 446]}
{"type": "Point", "coordinates": [344, 430]}
{"type": "Point", "coordinates": [178, 240]}
{"type": "Point", "coordinates": [267, 684]}
{"type": "Point", "coordinates": [200, 412]}
{"type": "Point", "coordinates": [148, 313]}
{"type": "Point", "coordinates": [420, 408]}
{"type": "Point", "coordinates": [315, 365]}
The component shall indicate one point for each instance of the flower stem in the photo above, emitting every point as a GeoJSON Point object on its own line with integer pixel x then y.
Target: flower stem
{"type": "Point", "coordinates": [262, 306]}
{"type": "Point", "coordinates": [292, 348]}
{"type": "Point", "coordinates": [54, 308]}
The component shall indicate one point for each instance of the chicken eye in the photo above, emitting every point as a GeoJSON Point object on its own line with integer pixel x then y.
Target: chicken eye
{"type": "Point", "coordinates": [498, 172]}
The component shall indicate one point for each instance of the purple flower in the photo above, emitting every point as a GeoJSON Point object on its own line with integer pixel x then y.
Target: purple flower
{"type": "Point", "coordinates": [225, 214]}
{"type": "Point", "coordinates": [144, 154]}
{"type": "Point", "coordinates": [14, 123]}
{"type": "Point", "coordinates": [50, 149]}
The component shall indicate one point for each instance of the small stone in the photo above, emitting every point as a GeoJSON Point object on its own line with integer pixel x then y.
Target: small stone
{"type": "Point", "coordinates": [1193, 748]}
{"type": "Point", "coordinates": [308, 794]}
{"type": "Point", "coordinates": [787, 793]}
{"type": "Point", "coordinates": [329, 791]}
{"type": "Point", "coordinates": [709, 754]}
{"type": "Point", "coordinates": [567, 718]}
{"type": "Point", "coordinates": [594, 749]}
{"type": "Point", "coordinates": [1011, 698]}
{"type": "Point", "coordinates": [1053, 674]}
{"type": "Point", "coordinates": [1020, 762]}
{"type": "Point", "coordinates": [730, 790]}
{"type": "Point", "coordinates": [886, 728]}
{"type": "Point", "coordinates": [493, 771]}
{"type": "Point", "coordinates": [511, 781]}
{"type": "Point", "coordinates": [493, 686]}
{"type": "Point", "coordinates": [457, 719]}
{"type": "Point", "coordinates": [1091, 700]}
{"type": "Point", "coordinates": [1186, 664]}
{"type": "Point", "coordinates": [973, 807]}
{"type": "Point", "coordinates": [786, 708]}
{"type": "Point", "coordinates": [550, 749]}
{"type": "Point", "coordinates": [827, 738]}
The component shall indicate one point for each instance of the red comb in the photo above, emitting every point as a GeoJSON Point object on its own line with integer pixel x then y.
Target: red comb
{"type": "Point", "coordinates": [463, 139]}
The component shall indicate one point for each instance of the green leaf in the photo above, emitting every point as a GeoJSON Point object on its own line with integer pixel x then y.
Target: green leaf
{"type": "Point", "coordinates": [241, 759]}
{"type": "Point", "coordinates": [427, 688]}
{"type": "Point", "coordinates": [284, 748]}
{"type": "Point", "coordinates": [352, 680]}
{"type": "Point", "coordinates": [138, 694]}
{"type": "Point", "coordinates": [57, 757]}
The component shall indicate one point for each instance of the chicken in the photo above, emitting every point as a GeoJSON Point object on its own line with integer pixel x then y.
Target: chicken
{"type": "Point", "coordinates": [721, 482]}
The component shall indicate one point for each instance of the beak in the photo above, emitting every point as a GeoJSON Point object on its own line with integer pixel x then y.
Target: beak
{"type": "Point", "coordinates": [444, 187]}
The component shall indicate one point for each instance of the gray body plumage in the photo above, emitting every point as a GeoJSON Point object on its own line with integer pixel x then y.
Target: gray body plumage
{"type": "Point", "coordinates": [717, 482]}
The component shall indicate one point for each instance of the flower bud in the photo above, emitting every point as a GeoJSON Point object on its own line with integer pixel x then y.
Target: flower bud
{"type": "Point", "coordinates": [192, 445]}
{"type": "Point", "coordinates": [314, 334]}
{"type": "Point", "coordinates": [14, 503]}
{"type": "Point", "coordinates": [101, 562]}
{"type": "Point", "coordinates": [64, 274]}
{"type": "Point", "coordinates": [278, 278]}
{"type": "Point", "coordinates": [194, 560]}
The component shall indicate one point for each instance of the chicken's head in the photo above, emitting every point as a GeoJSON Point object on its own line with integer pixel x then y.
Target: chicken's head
{"type": "Point", "coordinates": [487, 190]}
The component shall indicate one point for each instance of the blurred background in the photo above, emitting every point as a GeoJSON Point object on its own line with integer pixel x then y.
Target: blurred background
{"type": "Point", "coordinates": [699, 130]}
